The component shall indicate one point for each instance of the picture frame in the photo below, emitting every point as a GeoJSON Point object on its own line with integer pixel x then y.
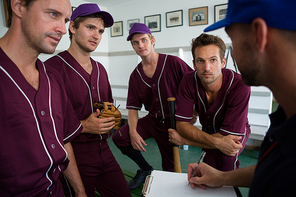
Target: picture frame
{"type": "Point", "coordinates": [116, 29]}
{"type": "Point", "coordinates": [220, 11]}
{"type": "Point", "coordinates": [198, 16]}
{"type": "Point", "coordinates": [5, 13]}
{"type": "Point", "coordinates": [174, 18]}
{"type": "Point", "coordinates": [153, 22]}
{"type": "Point", "coordinates": [131, 22]}
{"type": "Point", "coordinates": [73, 8]}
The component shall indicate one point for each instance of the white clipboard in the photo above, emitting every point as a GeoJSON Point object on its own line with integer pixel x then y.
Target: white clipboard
{"type": "Point", "coordinates": [172, 184]}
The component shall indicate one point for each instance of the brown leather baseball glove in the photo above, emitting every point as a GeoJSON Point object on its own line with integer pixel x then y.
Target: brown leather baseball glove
{"type": "Point", "coordinates": [109, 110]}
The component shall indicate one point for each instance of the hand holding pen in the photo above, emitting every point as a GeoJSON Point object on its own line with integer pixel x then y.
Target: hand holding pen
{"type": "Point", "coordinates": [202, 155]}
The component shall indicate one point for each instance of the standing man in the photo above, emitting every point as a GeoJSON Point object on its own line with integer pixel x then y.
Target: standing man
{"type": "Point", "coordinates": [87, 82]}
{"type": "Point", "coordinates": [37, 121]}
{"type": "Point", "coordinates": [220, 98]}
{"type": "Point", "coordinates": [264, 47]}
{"type": "Point", "coordinates": [155, 79]}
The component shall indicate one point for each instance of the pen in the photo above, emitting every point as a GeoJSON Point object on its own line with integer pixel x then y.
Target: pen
{"type": "Point", "coordinates": [202, 155]}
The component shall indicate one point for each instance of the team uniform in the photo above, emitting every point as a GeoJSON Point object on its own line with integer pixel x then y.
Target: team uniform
{"type": "Point", "coordinates": [153, 93]}
{"type": "Point", "coordinates": [34, 126]}
{"type": "Point", "coordinates": [96, 163]}
{"type": "Point", "coordinates": [227, 115]}
{"type": "Point", "coordinates": [275, 172]}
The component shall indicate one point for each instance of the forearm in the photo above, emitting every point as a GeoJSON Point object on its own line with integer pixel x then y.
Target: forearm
{"type": "Point", "coordinates": [85, 128]}
{"type": "Point", "coordinates": [240, 177]}
{"type": "Point", "coordinates": [72, 172]}
{"type": "Point", "coordinates": [193, 143]}
{"type": "Point", "coordinates": [132, 120]}
{"type": "Point", "coordinates": [195, 135]}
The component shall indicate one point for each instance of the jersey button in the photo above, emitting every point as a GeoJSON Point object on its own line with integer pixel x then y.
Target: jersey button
{"type": "Point", "coordinates": [42, 113]}
{"type": "Point", "coordinates": [52, 146]}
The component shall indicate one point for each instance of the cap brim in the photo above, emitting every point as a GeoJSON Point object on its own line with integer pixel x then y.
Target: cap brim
{"type": "Point", "coordinates": [136, 32]}
{"type": "Point", "coordinates": [217, 25]}
{"type": "Point", "coordinates": [107, 18]}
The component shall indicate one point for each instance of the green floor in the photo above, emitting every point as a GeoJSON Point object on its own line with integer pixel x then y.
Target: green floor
{"type": "Point", "coordinates": [247, 158]}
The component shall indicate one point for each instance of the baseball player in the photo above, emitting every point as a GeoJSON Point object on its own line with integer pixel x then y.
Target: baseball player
{"type": "Point", "coordinates": [37, 120]}
{"type": "Point", "coordinates": [87, 82]}
{"type": "Point", "coordinates": [156, 78]}
{"type": "Point", "coordinates": [220, 98]}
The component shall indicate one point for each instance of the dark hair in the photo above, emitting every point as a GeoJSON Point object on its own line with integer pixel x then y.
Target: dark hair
{"type": "Point", "coordinates": [80, 19]}
{"type": "Point", "coordinates": [205, 40]}
{"type": "Point", "coordinates": [9, 10]}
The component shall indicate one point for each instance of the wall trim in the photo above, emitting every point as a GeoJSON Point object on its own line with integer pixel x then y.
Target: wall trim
{"type": "Point", "coordinates": [132, 52]}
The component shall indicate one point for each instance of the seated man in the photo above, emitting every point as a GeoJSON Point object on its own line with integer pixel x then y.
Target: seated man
{"type": "Point", "coordinates": [220, 98]}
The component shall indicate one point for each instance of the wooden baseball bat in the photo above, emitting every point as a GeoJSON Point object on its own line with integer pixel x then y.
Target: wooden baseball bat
{"type": "Point", "coordinates": [177, 163]}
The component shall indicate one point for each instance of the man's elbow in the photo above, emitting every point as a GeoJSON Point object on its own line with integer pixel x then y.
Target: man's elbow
{"type": "Point", "coordinates": [180, 125]}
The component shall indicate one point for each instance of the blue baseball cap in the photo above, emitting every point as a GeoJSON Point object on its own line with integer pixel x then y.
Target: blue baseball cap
{"type": "Point", "coordinates": [92, 8]}
{"type": "Point", "coordinates": [279, 14]}
{"type": "Point", "coordinates": [138, 28]}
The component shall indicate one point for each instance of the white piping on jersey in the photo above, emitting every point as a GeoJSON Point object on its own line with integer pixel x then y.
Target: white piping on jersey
{"type": "Point", "coordinates": [159, 96]}
{"type": "Point", "coordinates": [89, 91]}
{"type": "Point", "coordinates": [195, 74]}
{"type": "Point", "coordinates": [214, 127]}
{"type": "Point", "coordinates": [98, 81]}
{"type": "Point", "coordinates": [231, 133]}
{"type": "Point", "coordinates": [159, 87]}
{"type": "Point", "coordinates": [50, 113]}
{"type": "Point", "coordinates": [236, 155]}
{"type": "Point", "coordinates": [223, 101]}
{"type": "Point", "coordinates": [80, 125]}
{"type": "Point", "coordinates": [37, 125]}
{"type": "Point", "coordinates": [134, 107]}
{"type": "Point", "coordinates": [142, 78]}
{"type": "Point", "coordinates": [183, 117]}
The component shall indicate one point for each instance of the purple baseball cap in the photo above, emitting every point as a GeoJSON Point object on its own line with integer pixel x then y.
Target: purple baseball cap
{"type": "Point", "coordinates": [138, 28]}
{"type": "Point", "coordinates": [276, 13]}
{"type": "Point", "coordinates": [91, 8]}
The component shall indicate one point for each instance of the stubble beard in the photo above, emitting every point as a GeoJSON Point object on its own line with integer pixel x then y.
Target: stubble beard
{"type": "Point", "coordinates": [249, 66]}
{"type": "Point", "coordinates": [36, 40]}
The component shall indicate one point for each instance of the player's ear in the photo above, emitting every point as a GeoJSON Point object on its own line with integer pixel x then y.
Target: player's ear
{"type": "Point", "coordinates": [260, 31]}
{"type": "Point", "coordinates": [193, 62]}
{"type": "Point", "coordinates": [153, 41]}
{"type": "Point", "coordinates": [72, 28]}
{"type": "Point", "coordinates": [17, 7]}
{"type": "Point", "coordinates": [223, 62]}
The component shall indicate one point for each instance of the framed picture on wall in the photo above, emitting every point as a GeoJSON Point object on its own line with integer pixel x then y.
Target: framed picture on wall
{"type": "Point", "coordinates": [220, 12]}
{"type": "Point", "coordinates": [5, 13]}
{"type": "Point", "coordinates": [198, 16]}
{"type": "Point", "coordinates": [131, 22]}
{"type": "Point", "coordinates": [73, 8]}
{"type": "Point", "coordinates": [153, 22]}
{"type": "Point", "coordinates": [174, 18]}
{"type": "Point", "coordinates": [116, 29]}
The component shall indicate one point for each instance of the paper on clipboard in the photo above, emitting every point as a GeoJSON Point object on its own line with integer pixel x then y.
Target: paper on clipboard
{"type": "Point", "coordinates": [171, 184]}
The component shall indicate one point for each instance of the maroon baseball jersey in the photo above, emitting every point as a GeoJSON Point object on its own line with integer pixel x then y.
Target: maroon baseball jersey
{"type": "Point", "coordinates": [153, 92]}
{"type": "Point", "coordinates": [83, 89]}
{"type": "Point", "coordinates": [34, 126]}
{"type": "Point", "coordinates": [227, 115]}
{"type": "Point", "coordinates": [96, 163]}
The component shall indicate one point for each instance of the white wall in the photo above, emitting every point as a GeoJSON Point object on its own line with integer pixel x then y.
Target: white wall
{"type": "Point", "coordinates": [167, 39]}
{"type": "Point", "coordinates": [120, 66]}
{"type": "Point", "coordinates": [65, 42]}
